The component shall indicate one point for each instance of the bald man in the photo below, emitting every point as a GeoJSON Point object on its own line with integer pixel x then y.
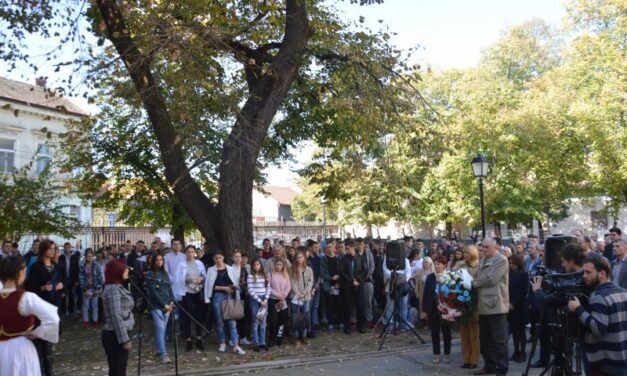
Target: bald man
{"type": "Point", "coordinates": [492, 283]}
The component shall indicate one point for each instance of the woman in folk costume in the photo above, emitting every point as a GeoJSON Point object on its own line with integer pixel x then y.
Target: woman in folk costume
{"type": "Point", "coordinates": [19, 312]}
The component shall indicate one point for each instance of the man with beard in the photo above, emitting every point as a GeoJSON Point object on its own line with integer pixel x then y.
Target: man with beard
{"type": "Point", "coordinates": [605, 320]}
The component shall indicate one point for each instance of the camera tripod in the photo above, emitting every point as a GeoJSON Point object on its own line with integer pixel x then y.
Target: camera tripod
{"type": "Point", "coordinates": [395, 318]}
{"type": "Point", "coordinates": [562, 347]}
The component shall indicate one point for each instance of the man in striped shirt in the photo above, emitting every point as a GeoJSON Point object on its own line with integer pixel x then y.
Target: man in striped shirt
{"type": "Point", "coordinates": [605, 321]}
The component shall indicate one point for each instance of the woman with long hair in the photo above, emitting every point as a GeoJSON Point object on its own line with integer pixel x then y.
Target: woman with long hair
{"type": "Point", "coordinates": [280, 288]}
{"type": "Point", "coordinates": [19, 311]}
{"type": "Point", "coordinates": [258, 295]}
{"type": "Point", "coordinates": [420, 277]}
{"type": "Point", "coordinates": [518, 315]}
{"type": "Point", "coordinates": [302, 281]}
{"type": "Point", "coordinates": [433, 315]}
{"type": "Point", "coordinates": [221, 283]}
{"type": "Point", "coordinates": [159, 288]}
{"type": "Point", "coordinates": [46, 280]}
{"type": "Point", "coordinates": [118, 311]}
{"type": "Point", "coordinates": [91, 282]}
{"type": "Point", "coordinates": [291, 255]}
{"type": "Point", "coordinates": [469, 331]}
{"type": "Point", "coordinates": [457, 259]}
{"type": "Point", "coordinates": [188, 283]}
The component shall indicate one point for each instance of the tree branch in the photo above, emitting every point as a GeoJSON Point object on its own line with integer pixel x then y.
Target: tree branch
{"type": "Point", "coordinates": [187, 190]}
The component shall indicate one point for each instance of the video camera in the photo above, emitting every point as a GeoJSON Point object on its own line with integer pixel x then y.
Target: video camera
{"type": "Point", "coordinates": [556, 282]}
{"type": "Point", "coordinates": [565, 283]}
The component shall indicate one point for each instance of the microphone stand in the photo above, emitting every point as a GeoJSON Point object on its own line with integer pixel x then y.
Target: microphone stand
{"type": "Point", "coordinates": [141, 334]}
{"type": "Point", "coordinates": [190, 316]}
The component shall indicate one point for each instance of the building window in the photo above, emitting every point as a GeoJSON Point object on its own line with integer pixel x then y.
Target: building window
{"type": "Point", "coordinates": [75, 211]}
{"type": "Point", "coordinates": [7, 155]}
{"type": "Point", "coordinates": [44, 157]}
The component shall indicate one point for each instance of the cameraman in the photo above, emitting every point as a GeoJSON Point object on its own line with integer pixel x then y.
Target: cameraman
{"type": "Point", "coordinates": [605, 320]}
{"type": "Point", "coordinates": [572, 261]}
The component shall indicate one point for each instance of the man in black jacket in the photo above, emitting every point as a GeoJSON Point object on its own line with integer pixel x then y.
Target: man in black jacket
{"type": "Point", "coordinates": [615, 235]}
{"type": "Point", "coordinates": [352, 274]}
{"type": "Point", "coordinates": [69, 262]}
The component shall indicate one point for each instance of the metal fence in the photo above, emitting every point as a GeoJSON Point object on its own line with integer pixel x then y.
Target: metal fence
{"type": "Point", "coordinates": [289, 229]}
{"type": "Point", "coordinates": [94, 237]}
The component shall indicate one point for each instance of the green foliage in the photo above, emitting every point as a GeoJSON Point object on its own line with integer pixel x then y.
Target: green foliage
{"type": "Point", "coordinates": [207, 59]}
{"type": "Point", "coordinates": [33, 204]}
{"type": "Point", "coordinates": [307, 205]}
{"type": "Point", "coordinates": [550, 117]}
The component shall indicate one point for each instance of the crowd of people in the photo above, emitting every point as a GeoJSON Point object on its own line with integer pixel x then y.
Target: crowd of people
{"type": "Point", "coordinates": [291, 290]}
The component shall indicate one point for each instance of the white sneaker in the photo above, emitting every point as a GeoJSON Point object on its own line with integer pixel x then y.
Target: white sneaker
{"type": "Point", "coordinates": [165, 359]}
{"type": "Point", "coordinates": [244, 341]}
{"type": "Point", "coordinates": [222, 347]}
{"type": "Point", "coordinates": [238, 350]}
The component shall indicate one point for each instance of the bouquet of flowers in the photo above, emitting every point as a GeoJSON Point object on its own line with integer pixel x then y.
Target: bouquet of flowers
{"type": "Point", "coordinates": [455, 298]}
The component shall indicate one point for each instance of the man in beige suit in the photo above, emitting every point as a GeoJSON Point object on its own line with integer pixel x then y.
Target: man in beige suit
{"type": "Point", "coordinates": [492, 283]}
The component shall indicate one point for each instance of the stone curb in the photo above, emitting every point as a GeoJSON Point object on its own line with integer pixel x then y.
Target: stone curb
{"type": "Point", "coordinates": [299, 362]}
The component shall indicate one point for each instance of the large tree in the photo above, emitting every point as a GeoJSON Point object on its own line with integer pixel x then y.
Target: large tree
{"type": "Point", "coordinates": [223, 70]}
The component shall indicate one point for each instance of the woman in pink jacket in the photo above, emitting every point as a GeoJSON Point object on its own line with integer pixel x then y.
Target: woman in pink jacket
{"type": "Point", "coordinates": [277, 305]}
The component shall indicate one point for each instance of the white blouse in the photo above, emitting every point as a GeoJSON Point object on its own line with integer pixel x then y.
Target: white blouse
{"type": "Point", "coordinates": [31, 304]}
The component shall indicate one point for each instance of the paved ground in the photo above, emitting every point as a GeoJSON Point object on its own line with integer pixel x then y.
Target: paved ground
{"type": "Point", "coordinates": [80, 353]}
{"type": "Point", "coordinates": [417, 361]}
{"type": "Point", "coordinates": [412, 360]}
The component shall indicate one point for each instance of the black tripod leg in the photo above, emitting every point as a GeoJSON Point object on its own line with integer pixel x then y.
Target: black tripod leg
{"type": "Point", "coordinates": [176, 346]}
{"type": "Point", "coordinates": [384, 334]}
{"type": "Point", "coordinates": [139, 346]}
{"type": "Point", "coordinates": [412, 329]}
{"type": "Point", "coordinates": [387, 324]}
{"type": "Point", "coordinates": [534, 344]}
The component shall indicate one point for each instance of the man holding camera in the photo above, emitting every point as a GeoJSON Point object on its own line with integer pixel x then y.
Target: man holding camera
{"type": "Point", "coordinates": [605, 320]}
{"type": "Point", "coordinates": [572, 260]}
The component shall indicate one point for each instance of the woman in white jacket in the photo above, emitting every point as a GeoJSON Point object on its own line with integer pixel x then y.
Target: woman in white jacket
{"type": "Point", "coordinates": [221, 284]}
{"type": "Point", "coordinates": [188, 283]}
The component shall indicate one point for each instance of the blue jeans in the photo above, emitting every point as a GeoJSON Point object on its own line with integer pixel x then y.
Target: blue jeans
{"type": "Point", "coordinates": [304, 308]}
{"type": "Point", "coordinates": [160, 319]}
{"type": "Point", "coordinates": [401, 308]}
{"type": "Point", "coordinates": [258, 328]}
{"type": "Point", "coordinates": [93, 303]}
{"type": "Point", "coordinates": [216, 303]}
{"type": "Point", "coordinates": [315, 307]}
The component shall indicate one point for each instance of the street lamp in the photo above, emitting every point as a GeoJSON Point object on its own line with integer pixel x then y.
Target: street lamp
{"type": "Point", "coordinates": [323, 201]}
{"type": "Point", "coordinates": [480, 170]}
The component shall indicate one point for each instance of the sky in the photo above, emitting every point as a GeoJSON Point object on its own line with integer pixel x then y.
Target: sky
{"type": "Point", "coordinates": [450, 33]}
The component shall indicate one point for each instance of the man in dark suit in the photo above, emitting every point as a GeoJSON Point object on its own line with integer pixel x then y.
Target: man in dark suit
{"type": "Point", "coordinates": [619, 270]}
{"type": "Point", "coordinates": [615, 235]}
{"type": "Point", "coordinates": [69, 262]}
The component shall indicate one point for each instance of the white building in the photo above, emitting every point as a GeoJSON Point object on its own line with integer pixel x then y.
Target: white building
{"type": "Point", "coordinates": [274, 204]}
{"type": "Point", "coordinates": [31, 120]}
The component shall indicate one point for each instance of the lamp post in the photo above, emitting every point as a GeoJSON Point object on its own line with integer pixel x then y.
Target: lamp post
{"type": "Point", "coordinates": [480, 170]}
{"type": "Point", "coordinates": [323, 201]}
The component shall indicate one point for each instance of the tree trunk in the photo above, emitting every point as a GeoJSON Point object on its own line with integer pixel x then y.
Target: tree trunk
{"type": "Point", "coordinates": [178, 228]}
{"type": "Point", "coordinates": [229, 225]}
{"type": "Point", "coordinates": [191, 197]}
{"type": "Point", "coordinates": [241, 149]}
